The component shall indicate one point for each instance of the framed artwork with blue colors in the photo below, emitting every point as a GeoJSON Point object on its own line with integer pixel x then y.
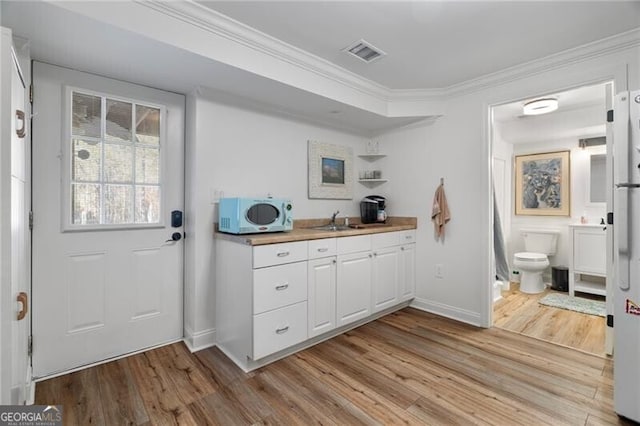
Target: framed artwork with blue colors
{"type": "Point", "coordinates": [542, 186]}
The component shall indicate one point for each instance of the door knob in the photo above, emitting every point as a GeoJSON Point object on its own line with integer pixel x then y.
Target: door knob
{"type": "Point", "coordinates": [176, 236]}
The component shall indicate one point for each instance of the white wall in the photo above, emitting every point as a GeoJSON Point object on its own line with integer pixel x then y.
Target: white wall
{"type": "Point", "coordinates": [457, 148]}
{"type": "Point", "coordinates": [242, 152]}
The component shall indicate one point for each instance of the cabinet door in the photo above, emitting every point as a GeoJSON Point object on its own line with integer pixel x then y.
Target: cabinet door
{"type": "Point", "coordinates": [385, 278]}
{"type": "Point", "coordinates": [353, 294]}
{"type": "Point", "coordinates": [407, 280]}
{"type": "Point", "coordinates": [589, 251]}
{"type": "Point", "coordinates": [321, 303]}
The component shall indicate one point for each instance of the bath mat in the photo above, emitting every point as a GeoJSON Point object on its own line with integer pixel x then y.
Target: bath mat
{"type": "Point", "coordinates": [586, 306]}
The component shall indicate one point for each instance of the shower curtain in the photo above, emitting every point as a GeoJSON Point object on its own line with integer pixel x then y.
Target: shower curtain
{"type": "Point", "coordinates": [502, 268]}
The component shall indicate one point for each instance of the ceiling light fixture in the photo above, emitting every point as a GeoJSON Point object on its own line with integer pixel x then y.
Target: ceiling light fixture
{"type": "Point", "coordinates": [540, 106]}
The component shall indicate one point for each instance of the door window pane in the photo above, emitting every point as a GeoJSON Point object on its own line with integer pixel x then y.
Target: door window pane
{"type": "Point", "coordinates": [115, 162]}
{"type": "Point", "coordinates": [86, 115]}
{"type": "Point", "coordinates": [118, 163]}
{"type": "Point", "coordinates": [118, 204]}
{"type": "Point", "coordinates": [147, 125]}
{"type": "Point", "coordinates": [147, 204]}
{"type": "Point", "coordinates": [118, 120]}
{"type": "Point", "coordinates": [147, 165]}
{"type": "Point", "coordinates": [85, 204]}
{"type": "Point", "coordinates": [87, 164]}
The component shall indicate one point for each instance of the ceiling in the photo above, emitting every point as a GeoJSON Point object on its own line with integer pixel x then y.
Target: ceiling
{"type": "Point", "coordinates": [581, 113]}
{"type": "Point", "coordinates": [434, 44]}
{"type": "Point", "coordinates": [581, 97]}
{"type": "Point", "coordinates": [429, 45]}
{"type": "Point", "coordinates": [60, 37]}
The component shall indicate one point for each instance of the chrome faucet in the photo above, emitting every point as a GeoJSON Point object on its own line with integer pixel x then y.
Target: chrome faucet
{"type": "Point", "coordinates": [333, 218]}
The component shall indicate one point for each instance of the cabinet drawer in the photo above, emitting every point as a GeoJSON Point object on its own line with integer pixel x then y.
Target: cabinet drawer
{"type": "Point", "coordinates": [279, 329]}
{"type": "Point", "coordinates": [353, 244]}
{"type": "Point", "coordinates": [386, 239]}
{"type": "Point", "coordinates": [277, 254]}
{"type": "Point", "coordinates": [407, 237]}
{"type": "Point", "coordinates": [279, 286]}
{"type": "Point", "coordinates": [322, 248]}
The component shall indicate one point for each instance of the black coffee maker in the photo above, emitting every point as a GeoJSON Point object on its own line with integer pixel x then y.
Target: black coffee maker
{"type": "Point", "coordinates": [372, 209]}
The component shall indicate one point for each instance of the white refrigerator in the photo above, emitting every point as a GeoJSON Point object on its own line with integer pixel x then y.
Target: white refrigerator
{"type": "Point", "coordinates": [626, 223]}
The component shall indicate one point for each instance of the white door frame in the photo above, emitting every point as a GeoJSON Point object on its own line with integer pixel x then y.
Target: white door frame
{"type": "Point", "coordinates": [6, 305]}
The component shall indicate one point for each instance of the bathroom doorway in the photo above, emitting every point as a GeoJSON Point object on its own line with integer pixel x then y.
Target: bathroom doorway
{"type": "Point", "coordinates": [550, 174]}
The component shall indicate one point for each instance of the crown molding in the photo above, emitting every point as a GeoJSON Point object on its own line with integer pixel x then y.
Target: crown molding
{"type": "Point", "coordinates": [598, 48]}
{"type": "Point", "coordinates": [221, 25]}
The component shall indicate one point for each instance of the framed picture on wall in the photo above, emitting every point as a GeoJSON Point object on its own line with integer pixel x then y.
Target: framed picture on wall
{"type": "Point", "coordinates": [330, 171]}
{"type": "Point", "coordinates": [542, 185]}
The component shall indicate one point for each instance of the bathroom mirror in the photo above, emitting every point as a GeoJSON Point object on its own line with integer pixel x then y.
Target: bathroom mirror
{"type": "Point", "coordinates": [598, 178]}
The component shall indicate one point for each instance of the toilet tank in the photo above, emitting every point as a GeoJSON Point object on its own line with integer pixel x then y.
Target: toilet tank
{"type": "Point", "coordinates": [543, 241]}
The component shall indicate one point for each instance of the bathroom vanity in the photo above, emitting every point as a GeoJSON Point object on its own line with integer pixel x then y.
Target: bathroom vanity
{"type": "Point", "coordinates": [279, 293]}
{"type": "Point", "coordinates": [588, 259]}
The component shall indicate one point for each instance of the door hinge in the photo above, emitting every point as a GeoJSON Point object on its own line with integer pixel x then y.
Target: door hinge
{"type": "Point", "coordinates": [31, 220]}
{"type": "Point", "coordinates": [610, 116]}
{"type": "Point", "coordinates": [30, 346]}
{"type": "Point", "coordinates": [31, 93]}
{"type": "Point", "coordinates": [609, 320]}
{"type": "Point", "coordinates": [610, 218]}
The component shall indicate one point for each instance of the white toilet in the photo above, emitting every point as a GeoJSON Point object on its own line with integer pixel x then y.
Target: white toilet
{"type": "Point", "coordinates": [538, 243]}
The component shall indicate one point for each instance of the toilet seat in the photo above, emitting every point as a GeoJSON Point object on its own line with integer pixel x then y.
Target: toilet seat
{"type": "Point", "coordinates": [530, 257]}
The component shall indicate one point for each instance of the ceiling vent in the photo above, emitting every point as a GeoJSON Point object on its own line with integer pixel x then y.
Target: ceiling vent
{"type": "Point", "coordinates": [364, 51]}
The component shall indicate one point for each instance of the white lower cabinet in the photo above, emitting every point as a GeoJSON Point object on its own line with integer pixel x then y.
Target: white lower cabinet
{"type": "Point", "coordinates": [270, 298]}
{"type": "Point", "coordinates": [407, 270]}
{"type": "Point", "coordinates": [353, 296]}
{"type": "Point", "coordinates": [321, 286]}
{"type": "Point", "coordinates": [386, 274]}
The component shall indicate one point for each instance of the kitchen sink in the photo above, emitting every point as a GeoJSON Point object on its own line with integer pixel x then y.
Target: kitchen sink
{"type": "Point", "coordinates": [331, 228]}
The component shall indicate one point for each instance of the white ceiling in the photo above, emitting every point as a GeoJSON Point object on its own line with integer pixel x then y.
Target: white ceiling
{"type": "Point", "coordinates": [429, 44]}
{"type": "Point", "coordinates": [581, 97]}
{"type": "Point", "coordinates": [60, 37]}
{"type": "Point", "coordinates": [581, 113]}
{"type": "Point", "coordinates": [435, 44]}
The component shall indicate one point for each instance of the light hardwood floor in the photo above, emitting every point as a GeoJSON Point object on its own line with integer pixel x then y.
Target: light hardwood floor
{"type": "Point", "coordinates": [521, 313]}
{"type": "Point", "coordinates": [408, 367]}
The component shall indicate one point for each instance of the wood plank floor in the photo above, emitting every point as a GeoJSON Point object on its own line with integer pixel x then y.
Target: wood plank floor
{"type": "Point", "coordinates": [409, 367]}
{"type": "Point", "coordinates": [521, 313]}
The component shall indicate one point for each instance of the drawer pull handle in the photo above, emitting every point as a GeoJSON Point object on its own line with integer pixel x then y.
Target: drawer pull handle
{"type": "Point", "coordinates": [283, 254]}
{"type": "Point", "coordinates": [282, 286]}
{"type": "Point", "coordinates": [282, 330]}
{"type": "Point", "coordinates": [408, 237]}
{"type": "Point", "coordinates": [323, 249]}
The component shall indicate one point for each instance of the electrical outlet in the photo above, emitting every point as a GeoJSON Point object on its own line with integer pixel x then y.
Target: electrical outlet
{"type": "Point", "coordinates": [216, 194]}
{"type": "Point", "coordinates": [439, 270]}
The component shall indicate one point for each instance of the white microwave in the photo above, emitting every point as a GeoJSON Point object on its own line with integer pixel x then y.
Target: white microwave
{"type": "Point", "coordinates": [254, 215]}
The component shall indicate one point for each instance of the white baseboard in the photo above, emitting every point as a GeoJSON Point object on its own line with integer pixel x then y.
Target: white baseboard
{"type": "Point", "coordinates": [199, 340]}
{"type": "Point", "coordinates": [447, 311]}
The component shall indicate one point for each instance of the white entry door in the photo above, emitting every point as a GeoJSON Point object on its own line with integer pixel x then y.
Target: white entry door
{"type": "Point", "coordinates": [108, 171]}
